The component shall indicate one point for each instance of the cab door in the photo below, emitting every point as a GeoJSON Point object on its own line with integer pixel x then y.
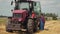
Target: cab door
{"type": "Point", "coordinates": [37, 8]}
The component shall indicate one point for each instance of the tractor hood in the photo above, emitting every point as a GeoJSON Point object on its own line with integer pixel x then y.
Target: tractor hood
{"type": "Point", "coordinates": [15, 19]}
{"type": "Point", "coordinates": [19, 11]}
{"type": "Point", "coordinates": [18, 15]}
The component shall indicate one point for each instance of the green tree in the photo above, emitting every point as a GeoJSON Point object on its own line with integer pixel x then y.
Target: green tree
{"type": "Point", "coordinates": [55, 16]}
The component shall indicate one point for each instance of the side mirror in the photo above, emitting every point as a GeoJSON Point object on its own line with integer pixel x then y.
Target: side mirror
{"type": "Point", "coordinates": [11, 10]}
{"type": "Point", "coordinates": [11, 2]}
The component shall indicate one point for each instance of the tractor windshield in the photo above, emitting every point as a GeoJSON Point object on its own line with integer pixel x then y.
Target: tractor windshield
{"type": "Point", "coordinates": [17, 15]}
{"type": "Point", "coordinates": [24, 5]}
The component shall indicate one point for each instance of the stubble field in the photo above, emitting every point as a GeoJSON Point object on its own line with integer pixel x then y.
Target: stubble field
{"type": "Point", "coordinates": [51, 27]}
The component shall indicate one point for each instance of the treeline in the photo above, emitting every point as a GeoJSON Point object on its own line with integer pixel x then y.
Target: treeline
{"type": "Point", "coordinates": [53, 15]}
{"type": "Point", "coordinates": [2, 16]}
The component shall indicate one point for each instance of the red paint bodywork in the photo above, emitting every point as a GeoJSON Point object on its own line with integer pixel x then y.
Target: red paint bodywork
{"type": "Point", "coordinates": [24, 14]}
{"type": "Point", "coordinates": [19, 11]}
{"type": "Point", "coordinates": [33, 14]}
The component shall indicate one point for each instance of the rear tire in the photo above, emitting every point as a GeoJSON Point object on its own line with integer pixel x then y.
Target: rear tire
{"type": "Point", "coordinates": [35, 26]}
{"type": "Point", "coordinates": [30, 26]}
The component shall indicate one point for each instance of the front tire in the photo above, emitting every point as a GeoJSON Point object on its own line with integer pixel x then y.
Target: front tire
{"type": "Point", "coordinates": [30, 26]}
{"type": "Point", "coordinates": [7, 30]}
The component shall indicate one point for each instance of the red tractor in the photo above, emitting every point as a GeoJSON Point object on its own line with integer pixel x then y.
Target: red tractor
{"type": "Point", "coordinates": [22, 17]}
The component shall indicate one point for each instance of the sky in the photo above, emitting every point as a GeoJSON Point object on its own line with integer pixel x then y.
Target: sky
{"type": "Point", "coordinates": [47, 6]}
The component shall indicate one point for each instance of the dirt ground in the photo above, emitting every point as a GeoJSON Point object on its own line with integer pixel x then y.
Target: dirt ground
{"type": "Point", "coordinates": [51, 27]}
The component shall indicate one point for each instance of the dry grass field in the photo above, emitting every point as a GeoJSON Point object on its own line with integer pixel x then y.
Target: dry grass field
{"type": "Point", "coordinates": [51, 27]}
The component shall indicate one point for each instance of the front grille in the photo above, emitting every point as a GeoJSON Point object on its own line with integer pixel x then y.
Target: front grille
{"type": "Point", "coordinates": [16, 22]}
{"type": "Point", "coordinates": [14, 25]}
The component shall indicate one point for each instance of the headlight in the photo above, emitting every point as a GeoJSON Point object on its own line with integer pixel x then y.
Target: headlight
{"type": "Point", "coordinates": [19, 19]}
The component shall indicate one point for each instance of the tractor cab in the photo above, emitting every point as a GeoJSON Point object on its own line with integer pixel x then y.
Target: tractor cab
{"type": "Point", "coordinates": [29, 6]}
{"type": "Point", "coordinates": [24, 5]}
{"type": "Point", "coordinates": [23, 9]}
